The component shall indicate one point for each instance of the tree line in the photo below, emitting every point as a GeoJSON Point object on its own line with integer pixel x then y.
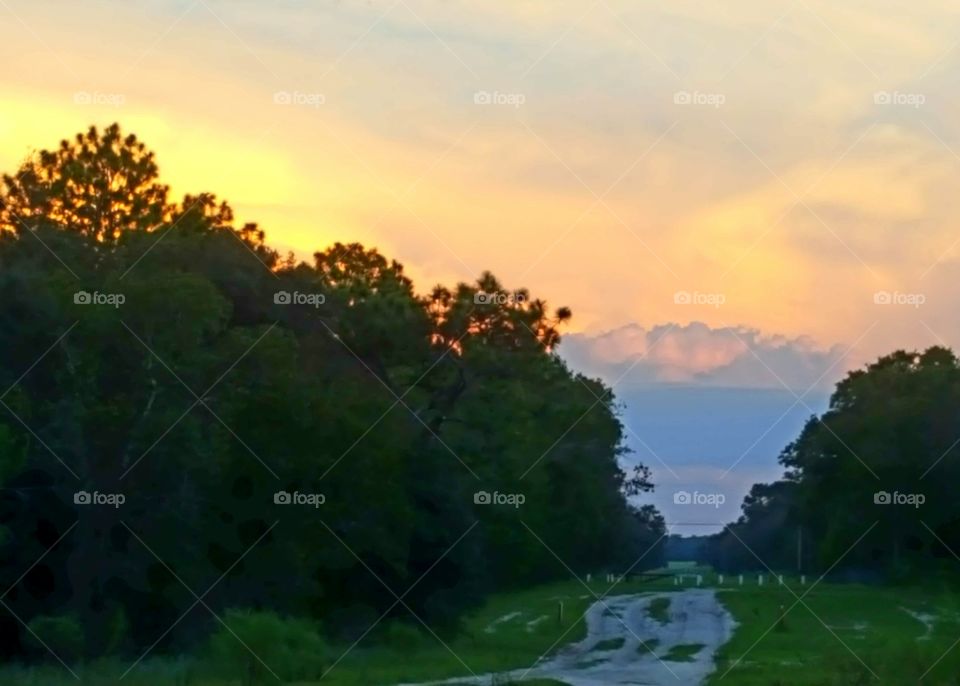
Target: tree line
{"type": "Point", "coordinates": [193, 424]}
{"type": "Point", "coordinates": [869, 489]}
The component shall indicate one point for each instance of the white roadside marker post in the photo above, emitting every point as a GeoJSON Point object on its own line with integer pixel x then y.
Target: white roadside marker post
{"type": "Point", "coordinates": [760, 580]}
{"type": "Point", "coordinates": [720, 579]}
{"type": "Point", "coordinates": [780, 580]}
{"type": "Point", "coordinates": [741, 579]}
{"type": "Point", "coordinates": [803, 579]}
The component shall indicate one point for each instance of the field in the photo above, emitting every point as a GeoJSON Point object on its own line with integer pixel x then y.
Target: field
{"type": "Point", "coordinates": [849, 635]}
{"type": "Point", "coordinates": [840, 635]}
{"type": "Point", "coordinates": [495, 639]}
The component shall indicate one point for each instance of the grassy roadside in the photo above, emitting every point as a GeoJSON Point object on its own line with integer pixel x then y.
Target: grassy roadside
{"type": "Point", "coordinates": [509, 632]}
{"type": "Point", "coordinates": [849, 634]}
{"type": "Point", "coordinates": [496, 639]}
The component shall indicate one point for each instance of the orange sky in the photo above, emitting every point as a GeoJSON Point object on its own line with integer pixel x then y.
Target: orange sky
{"type": "Point", "coordinates": [793, 158]}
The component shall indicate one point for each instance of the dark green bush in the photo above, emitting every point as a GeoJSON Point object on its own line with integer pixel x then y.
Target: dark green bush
{"type": "Point", "coordinates": [258, 647]}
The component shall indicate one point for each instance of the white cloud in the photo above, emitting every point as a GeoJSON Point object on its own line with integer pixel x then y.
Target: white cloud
{"type": "Point", "coordinates": [738, 357]}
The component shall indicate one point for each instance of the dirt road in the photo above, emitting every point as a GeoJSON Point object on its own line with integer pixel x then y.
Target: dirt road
{"type": "Point", "coordinates": [625, 644]}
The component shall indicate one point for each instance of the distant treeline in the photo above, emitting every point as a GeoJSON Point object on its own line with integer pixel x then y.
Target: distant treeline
{"type": "Point", "coordinates": [185, 411]}
{"type": "Point", "coordinates": [870, 489]}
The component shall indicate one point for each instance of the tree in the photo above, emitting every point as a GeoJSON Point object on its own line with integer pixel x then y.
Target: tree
{"type": "Point", "coordinates": [211, 377]}
{"type": "Point", "coordinates": [99, 184]}
{"type": "Point", "coordinates": [877, 467]}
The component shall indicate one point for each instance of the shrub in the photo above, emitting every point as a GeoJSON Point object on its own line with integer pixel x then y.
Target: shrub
{"type": "Point", "coordinates": [258, 645]}
{"type": "Point", "coordinates": [402, 636]}
{"type": "Point", "coordinates": [62, 635]}
{"type": "Point", "coordinates": [117, 628]}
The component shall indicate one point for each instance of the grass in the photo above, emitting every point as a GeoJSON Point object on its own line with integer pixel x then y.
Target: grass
{"type": "Point", "coordinates": [683, 652]}
{"type": "Point", "coordinates": [773, 645]}
{"type": "Point", "coordinates": [610, 644]}
{"type": "Point", "coordinates": [659, 609]}
{"type": "Point", "coordinates": [648, 647]}
{"type": "Point", "coordinates": [849, 634]}
{"type": "Point", "coordinates": [512, 645]}
{"type": "Point", "coordinates": [515, 643]}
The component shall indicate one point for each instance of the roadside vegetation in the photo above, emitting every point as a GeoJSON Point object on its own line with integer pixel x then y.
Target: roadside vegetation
{"type": "Point", "coordinates": [401, 653]}
{"type": "Point", "coordinates": [841, 635]}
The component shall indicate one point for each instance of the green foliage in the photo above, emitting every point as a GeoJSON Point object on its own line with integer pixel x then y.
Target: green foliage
{"type": "Point", "coordinates": [875, 470]}
{"type": "Point", "coordinates": [117, 631]}
{"type": "Point", "coordinates": [61, 635]}
{"type": "Point", "coordinates": [203, 393]}
{"type": "Point", "coordinates": [404, 637]}
{"type": "Point", "coordinates": [258, 647]}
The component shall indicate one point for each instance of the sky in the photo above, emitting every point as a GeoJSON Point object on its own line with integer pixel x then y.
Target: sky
{"type": "Point", "coordinates": [739, 201]}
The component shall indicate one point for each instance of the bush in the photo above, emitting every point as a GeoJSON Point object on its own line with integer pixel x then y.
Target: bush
{"type": "Point", "coordinates": [61, 635]}
{"type": "Point", "coordinates": [259, 645]}
{"type": "Point", "coordinates": [402, 636]}
{"type": "Point", "coordinates": [117, 628]}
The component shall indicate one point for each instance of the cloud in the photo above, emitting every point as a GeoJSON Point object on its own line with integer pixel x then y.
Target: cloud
{"type": "Point", "coordinates": [797, 199]}
{"type": "Point", "coordinates": [733, 356]}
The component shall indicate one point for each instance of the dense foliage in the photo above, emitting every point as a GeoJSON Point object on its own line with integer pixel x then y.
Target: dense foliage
{"type": "Point", "coordinates": [870, 486]}
{"type": "Point", "coordinates": [184, 375]}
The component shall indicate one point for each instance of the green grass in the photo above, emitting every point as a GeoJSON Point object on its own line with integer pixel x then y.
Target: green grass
{"type": "Point", "coordinates": [513, 644]}
{"type": "Point", "coordinates": [867, 632]}
{"type": "Point", "coordinates": [770, 647]}
{"type": "Point", "coordinates": [648, 647]}
{"type": "Point", "coordinates": [683, 652]}
{"type": "Point", "coordinates": [610, 644]}
{"type": "Point", "coordinates": [659, 609]}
